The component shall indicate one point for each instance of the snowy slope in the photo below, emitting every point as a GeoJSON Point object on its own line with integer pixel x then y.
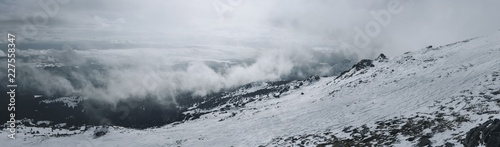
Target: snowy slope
{"type": "Point", "coordinates": [434, 95]}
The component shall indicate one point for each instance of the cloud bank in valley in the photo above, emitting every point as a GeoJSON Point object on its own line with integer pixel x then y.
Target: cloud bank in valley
{"type": "Point", "coordinates": [120, 74]}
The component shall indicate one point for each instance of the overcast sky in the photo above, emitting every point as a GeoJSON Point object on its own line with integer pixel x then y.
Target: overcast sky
{"type": "Point", "coordinates": [250, 23]}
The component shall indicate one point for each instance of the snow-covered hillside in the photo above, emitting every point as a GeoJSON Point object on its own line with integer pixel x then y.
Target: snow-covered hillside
{"type": "Point", "coordinates": [433, 96]}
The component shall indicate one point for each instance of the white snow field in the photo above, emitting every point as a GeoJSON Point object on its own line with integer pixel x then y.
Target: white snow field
{"type": "Point", "coordinates": [415, 83]}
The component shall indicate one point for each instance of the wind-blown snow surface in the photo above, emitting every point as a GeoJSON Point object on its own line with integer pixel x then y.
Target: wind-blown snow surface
{"type": "Point", "coordinates": [455, 76]}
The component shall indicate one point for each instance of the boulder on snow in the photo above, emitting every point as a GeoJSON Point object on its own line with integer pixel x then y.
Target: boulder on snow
{"type": "Point", "coordinates": [100, 131]}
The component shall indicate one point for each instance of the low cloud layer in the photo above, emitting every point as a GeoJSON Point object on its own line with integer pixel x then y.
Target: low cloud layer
{"type": "Point", "coordinates": [119, 74]}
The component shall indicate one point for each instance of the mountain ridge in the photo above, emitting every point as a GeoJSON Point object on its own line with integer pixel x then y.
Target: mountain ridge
{"type": "Point", "coordinates": [433, 96]}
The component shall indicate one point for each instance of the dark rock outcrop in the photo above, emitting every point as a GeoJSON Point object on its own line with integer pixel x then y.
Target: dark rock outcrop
{"type": "Point", "coordinates": [424, 141]}
{"type": "Point", "coordinates": [363, 64]}
{"type": "Point", "coordinates": [487, 134]}
{"type": "Point", "coordinates": [381, 58]}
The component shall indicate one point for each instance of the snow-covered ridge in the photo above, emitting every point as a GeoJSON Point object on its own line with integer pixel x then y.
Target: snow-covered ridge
{"type": "Point", "coordinates": [433, 96]}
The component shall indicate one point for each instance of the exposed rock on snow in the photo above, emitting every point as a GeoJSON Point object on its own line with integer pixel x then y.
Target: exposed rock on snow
{"type": "Point", "coordinates": [487, 134]}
